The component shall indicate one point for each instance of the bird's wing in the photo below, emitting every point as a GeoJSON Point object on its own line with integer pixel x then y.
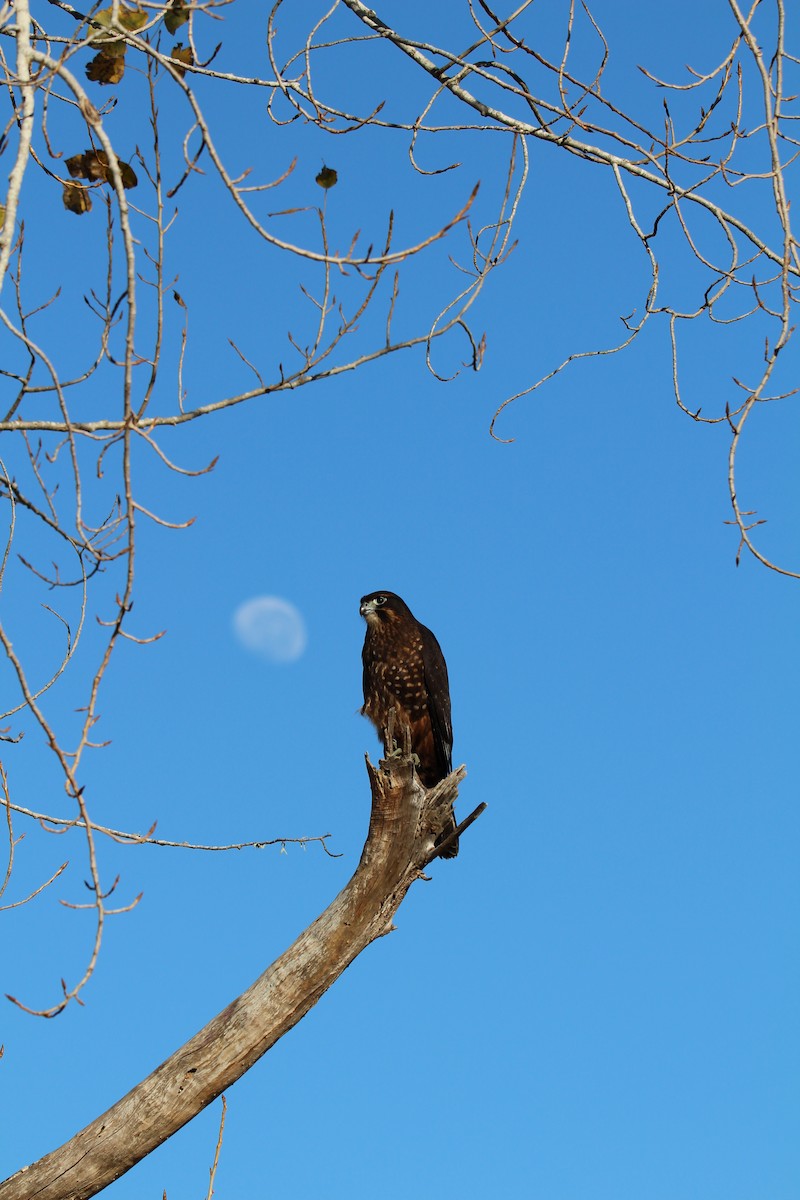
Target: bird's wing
{"type": "Point", "coordinates": [437, 687]}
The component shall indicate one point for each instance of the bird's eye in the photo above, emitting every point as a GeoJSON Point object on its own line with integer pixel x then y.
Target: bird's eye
{"type": "Point", "coordinates": [380, 599]}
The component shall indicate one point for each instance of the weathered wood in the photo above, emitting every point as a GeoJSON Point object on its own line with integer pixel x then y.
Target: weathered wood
{"type": "Point", "coordinates": [404, 822]}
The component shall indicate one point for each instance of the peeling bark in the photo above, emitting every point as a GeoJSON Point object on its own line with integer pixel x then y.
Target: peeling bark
{"type": "Point", "coordinates": [404, 822]}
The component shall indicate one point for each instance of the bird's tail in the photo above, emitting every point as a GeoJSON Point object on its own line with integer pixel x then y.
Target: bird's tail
{"type": "Point", "coordinates": [452, 849]}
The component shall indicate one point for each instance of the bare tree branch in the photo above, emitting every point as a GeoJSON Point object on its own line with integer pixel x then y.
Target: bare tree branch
{"type": "Point", "coordinates": [404, 822]}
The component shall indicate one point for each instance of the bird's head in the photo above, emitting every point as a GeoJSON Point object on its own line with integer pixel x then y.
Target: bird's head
{"type": "Point", "coordinates": [380, 607]}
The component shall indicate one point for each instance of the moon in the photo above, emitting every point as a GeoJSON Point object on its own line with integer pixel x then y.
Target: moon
{"type": "Point", "coordinates": [270, 628]}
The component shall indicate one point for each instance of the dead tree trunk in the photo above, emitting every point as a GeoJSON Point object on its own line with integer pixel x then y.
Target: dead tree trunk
{"type": "Point", "coordinates": [404, 821]}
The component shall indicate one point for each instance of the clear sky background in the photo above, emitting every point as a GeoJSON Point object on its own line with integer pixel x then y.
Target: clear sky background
{"type": "Point", "coordinates": [598, 999]}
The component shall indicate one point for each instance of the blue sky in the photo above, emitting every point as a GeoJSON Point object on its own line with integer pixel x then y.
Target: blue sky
{"type": "Point", "coordinates": [598, 999]}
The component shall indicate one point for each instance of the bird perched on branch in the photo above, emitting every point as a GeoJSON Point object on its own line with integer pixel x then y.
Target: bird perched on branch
{"type": "Point", "coordinates": [404, 670]}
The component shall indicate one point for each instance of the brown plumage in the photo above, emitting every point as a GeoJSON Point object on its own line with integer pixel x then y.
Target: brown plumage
{"type": "Point", "coordinates": [404, 669]}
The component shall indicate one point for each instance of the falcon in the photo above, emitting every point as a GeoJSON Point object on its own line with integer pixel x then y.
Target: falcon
{"type": "Point", "coordinates": [404, 669]}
